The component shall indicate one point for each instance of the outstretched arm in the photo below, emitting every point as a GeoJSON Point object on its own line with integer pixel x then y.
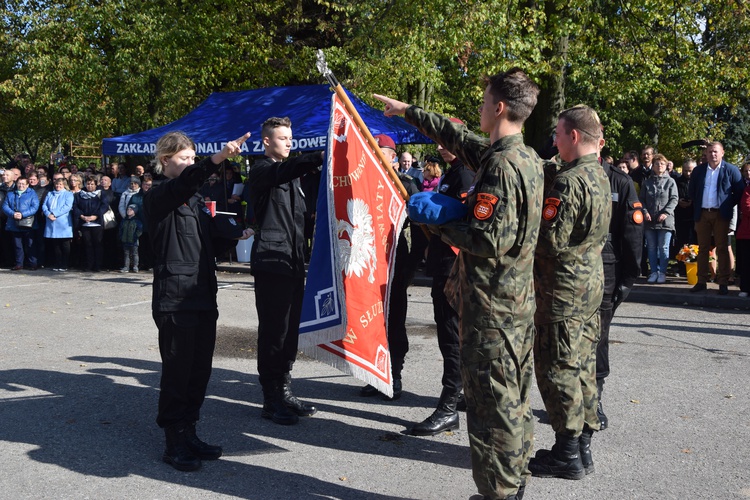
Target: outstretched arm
{"type": "Point", "coordinates": [392, 106]}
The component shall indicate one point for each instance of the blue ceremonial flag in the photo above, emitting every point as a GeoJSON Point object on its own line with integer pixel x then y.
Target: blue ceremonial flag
{"type": "Point", "coordinates": [323, 310]}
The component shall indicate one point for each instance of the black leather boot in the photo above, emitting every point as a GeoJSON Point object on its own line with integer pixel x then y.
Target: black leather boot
{"type": "Point", "coordinates": [273, 404]}
{"type": "Point", "coordinates": [564, 460]}
{"type": "Point", "coordinates": [584, 447]}
{"type": "Point", "coordinates": [397, 388]}
{"type": "Point", "coordinates": [603, 420]}
{"type": "Point", "coordinates": [444, 418]}
{"type": "Point", "coordinates": [178, 454]}
{"type": "Point", "coordinates": [298, 407]}
{"type": "Point", "coordinates": [368, 391]}
{"type": "Point", "coordinates": [461, 404]}
{"type": "Point", "coordinates": [203, 450]}
{"type": "Point", "coordinates": [397, 366]}
{"type": "Point", "coordinates": [521, 491]}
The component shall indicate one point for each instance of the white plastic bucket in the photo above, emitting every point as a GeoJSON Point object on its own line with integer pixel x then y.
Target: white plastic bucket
{"type": "Point", "coordinates": [243, 249]}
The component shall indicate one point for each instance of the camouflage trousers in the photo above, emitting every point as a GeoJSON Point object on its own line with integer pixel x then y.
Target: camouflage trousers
{"type": "Point", "coordinates": [497, 372]}
{"type": "Point", "coordinates": [565, 365]}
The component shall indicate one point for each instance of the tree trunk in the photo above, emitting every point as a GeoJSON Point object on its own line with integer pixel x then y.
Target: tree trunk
{"type": "Point", "coordinates": [541, 124]}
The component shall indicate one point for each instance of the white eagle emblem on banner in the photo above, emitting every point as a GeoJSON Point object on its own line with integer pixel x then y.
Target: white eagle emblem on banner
{"type": "Point", "coordinates": [358, 251]}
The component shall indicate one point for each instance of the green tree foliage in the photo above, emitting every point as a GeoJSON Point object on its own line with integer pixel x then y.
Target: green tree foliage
{"type": "Point", "coordinates": [658, 72]}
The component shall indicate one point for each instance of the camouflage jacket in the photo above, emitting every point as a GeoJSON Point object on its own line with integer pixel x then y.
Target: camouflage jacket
{"type": "Point", "coordinates": [491, 282]}
{"type": "Point", "coordinates": [568, 272]}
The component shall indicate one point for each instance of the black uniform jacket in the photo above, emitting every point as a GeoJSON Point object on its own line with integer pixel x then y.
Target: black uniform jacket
{"type": "Point", "coordinates": [625, 243]}
{"type": "Point", "coordinates": [183, 239]}
{"type": "Point", "coordinates": [455, 183]}
{"type": "Point", "coordinates": [279, 206]}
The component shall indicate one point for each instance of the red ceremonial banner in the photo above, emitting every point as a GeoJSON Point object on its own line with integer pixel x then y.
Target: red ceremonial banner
{"type": "Point", "coordinates": [368, 213]}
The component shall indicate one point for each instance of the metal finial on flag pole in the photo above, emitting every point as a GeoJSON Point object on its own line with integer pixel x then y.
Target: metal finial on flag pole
{"type": "Point", "coordinates": [322, 66]}
{"type": "Point", "coordinates": [325, 71]}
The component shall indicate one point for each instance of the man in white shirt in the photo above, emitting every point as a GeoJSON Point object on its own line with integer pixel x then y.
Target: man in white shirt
{"type": "Point", "coordinates": [715, 188]}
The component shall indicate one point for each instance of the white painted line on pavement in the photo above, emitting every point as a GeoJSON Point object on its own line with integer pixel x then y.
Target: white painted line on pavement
{"type": "Point", "coordinates": [27, 284]}
{"type": "Point", "coordinates": [128, 305]}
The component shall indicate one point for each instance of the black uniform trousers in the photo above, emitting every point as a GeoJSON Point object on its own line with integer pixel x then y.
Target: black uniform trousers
{"type": "Point", "coordinates": [606, 311]}
{"type": "Point", "coordinates": [403, 274]}
{"type": "Point", "coordinates": [446, 320]}
{"type": "Point", "coordinates": [278, 299]}
{"type": "Point", "coordinates": [186, 345]}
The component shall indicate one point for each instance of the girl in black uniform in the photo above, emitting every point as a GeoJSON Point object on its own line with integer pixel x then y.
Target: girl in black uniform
{"type": "Point", "coordinates": [184, 238]}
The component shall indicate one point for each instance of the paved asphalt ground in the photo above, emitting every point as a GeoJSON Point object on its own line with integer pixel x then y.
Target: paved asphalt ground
{"type": "Point", "coordinates": [79, 372]}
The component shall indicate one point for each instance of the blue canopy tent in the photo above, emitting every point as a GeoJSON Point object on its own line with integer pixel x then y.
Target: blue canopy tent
{"type": "Point", "coordinates": [224, 116]}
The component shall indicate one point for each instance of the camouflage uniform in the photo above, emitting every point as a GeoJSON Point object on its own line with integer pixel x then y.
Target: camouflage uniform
{"type": "Point", "coordinates": [569, 281]}
{"type": "Point", "coordinates": [491, 288]}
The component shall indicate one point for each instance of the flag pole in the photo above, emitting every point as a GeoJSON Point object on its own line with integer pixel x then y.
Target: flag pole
{"type": "Point", "coordinates": [323, 68]}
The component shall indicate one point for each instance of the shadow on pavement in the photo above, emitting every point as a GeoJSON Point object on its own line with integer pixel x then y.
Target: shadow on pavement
{"type": "Point", "coordinates": [102, 423]}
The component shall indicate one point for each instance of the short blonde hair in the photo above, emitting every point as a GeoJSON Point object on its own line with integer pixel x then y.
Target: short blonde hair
{"type": "Point", "coordinates": [170, 144]}
{"type": "Point", "coordinates": [77, 177]}
{"type": "Point", "coordinates": [584, 119]}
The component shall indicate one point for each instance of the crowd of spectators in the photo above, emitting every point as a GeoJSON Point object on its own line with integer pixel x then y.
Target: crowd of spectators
{"type": "Point", "coordinates": [78, 218]}
{"type": "Point", "coordinates": [669, 212]}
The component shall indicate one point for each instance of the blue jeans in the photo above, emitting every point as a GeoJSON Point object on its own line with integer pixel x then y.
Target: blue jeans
{"type": "Point", "coordinates": [657, 245]}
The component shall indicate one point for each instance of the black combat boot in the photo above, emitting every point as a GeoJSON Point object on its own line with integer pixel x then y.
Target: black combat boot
{"type": "Point", "coordinates": [444, 418]}
{"type": "Point", "coordinates": [563, 460]}
{"type": "Point", "coordinates": [274, 407]}
{"type": "Point", "coordinates": [397, 365]}
{"type": "Point", "coordinates": [396, 390]}
{"type": "Point", "coordinates": [298, 407]}
{"type": "Point", "coordinates": [603, 420]}
{"type": "Point", "coordinates": [461, 403]}
{"type": "Point", "coordinates": [368, 391]}
{"type": "Point", "coordinates": [584, 447]}
{"type": "Point", "coordinates": [204, 451]}
{"type": "Point", "coordinates": [178, 454]}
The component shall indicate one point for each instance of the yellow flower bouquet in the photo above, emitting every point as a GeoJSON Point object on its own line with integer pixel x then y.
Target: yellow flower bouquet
{"type": "Point", "coordinates": [688, 253]}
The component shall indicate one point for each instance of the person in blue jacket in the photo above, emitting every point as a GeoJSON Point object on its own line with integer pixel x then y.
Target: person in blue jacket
{"type": "Point", "coordinates": [57, 209]}
{"type": "Point", "coordinates": [19, 205]}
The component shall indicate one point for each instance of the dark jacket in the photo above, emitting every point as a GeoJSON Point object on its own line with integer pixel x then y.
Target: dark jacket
{"type": "Point", "coordinates": [4, 190]}
{"type": "Point", "coordinates": [639, 175]}
{"type": "Point", "coordinates": [683, 213]}
{"type": "Point", "coordinates": [181, 231]}
{"type": "Point", "coordinates": [625, 243]}
{"type": "Point", "coordinates": [279, 206]}
{"type": "Point", "coordinates": [88, 206]}
{"type": "Point", "coordinates": [729, 184]}
{"type": "Point", "coordinates": [455, 183]}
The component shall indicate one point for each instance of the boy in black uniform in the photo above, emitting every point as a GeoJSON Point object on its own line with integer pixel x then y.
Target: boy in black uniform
{"type": "Point", "coordinates": [278, 264]}
{"type": "Point", "coordinates": [621, 257]}
{"type": "Point", "coordinates": [440, 259]}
